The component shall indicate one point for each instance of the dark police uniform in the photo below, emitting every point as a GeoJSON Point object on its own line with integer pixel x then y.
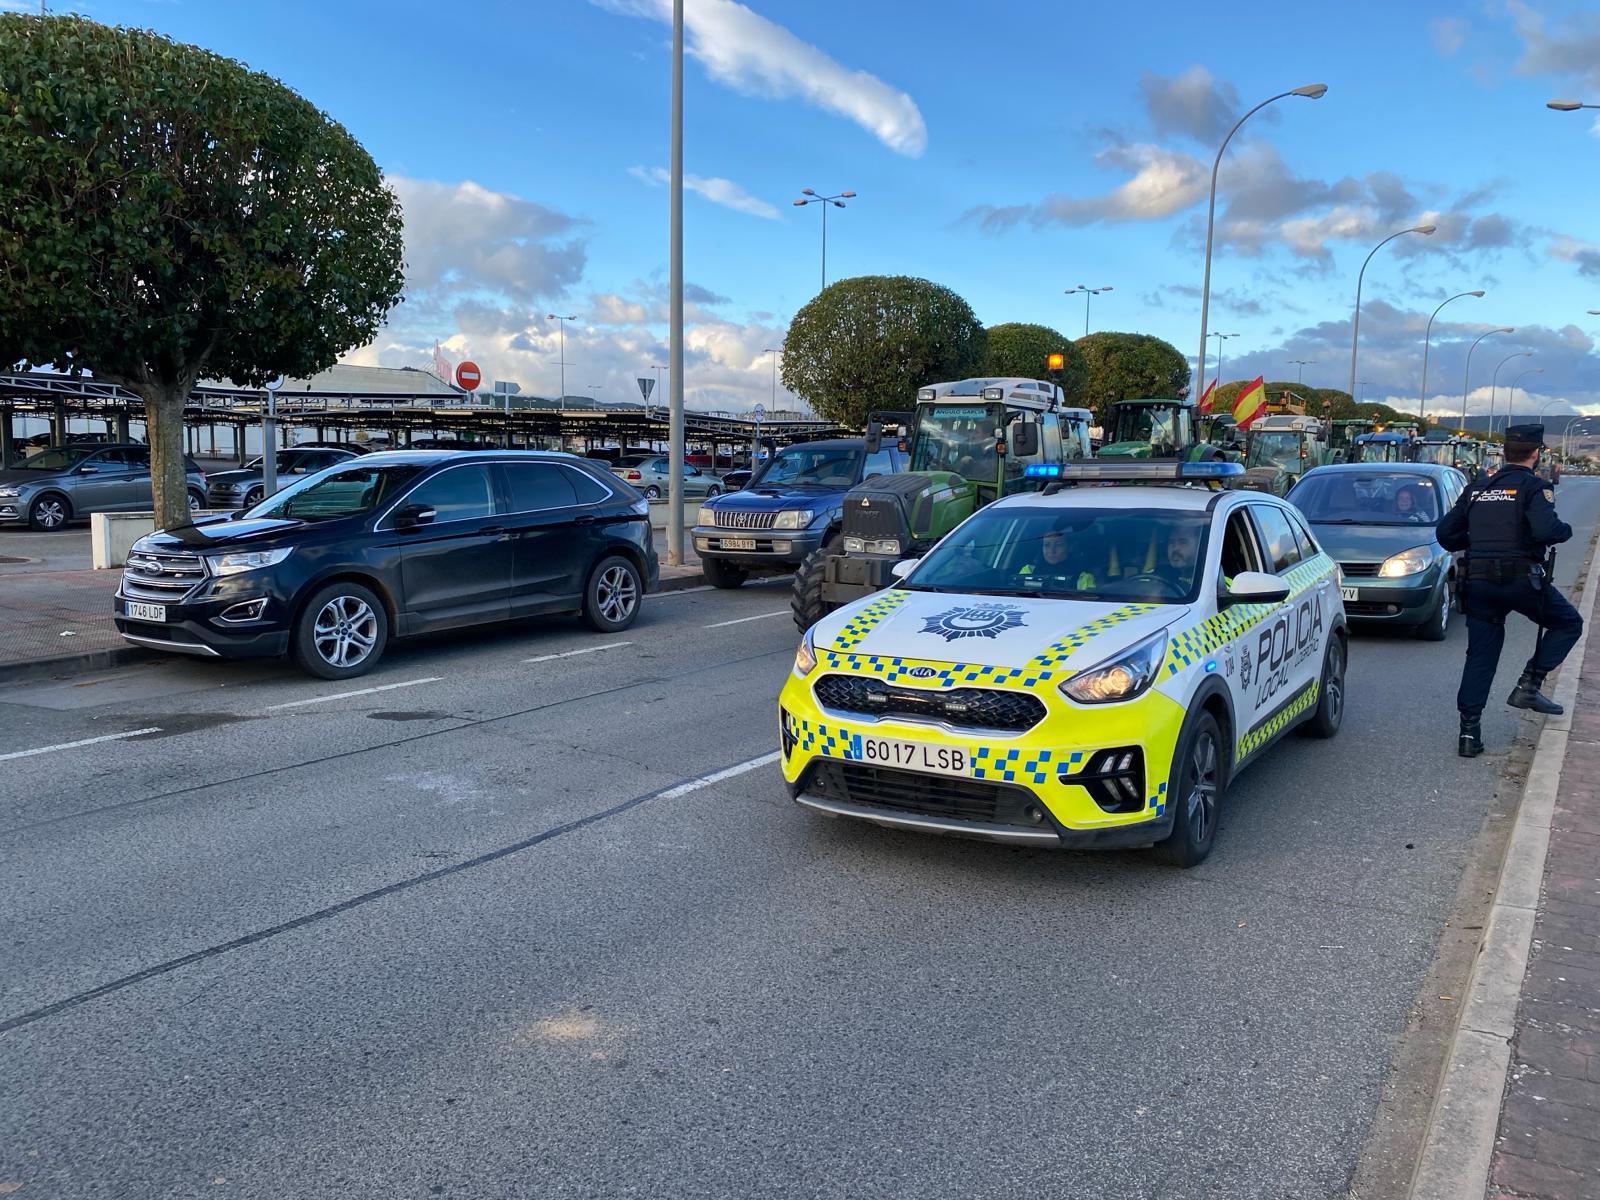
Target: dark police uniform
{"type": "Point", "coordinates": [1506, 523]}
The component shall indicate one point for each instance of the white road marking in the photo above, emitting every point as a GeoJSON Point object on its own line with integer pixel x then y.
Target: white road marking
{"type": "Point", "coordinates": [694, 785]}
{"type": "Point", "coordinates": [704, 587]}
{"type": "Point", "coordinates": [782, 612]}
{"type": "Point", "coordinates": [108, 737]}
{"type": "Point", "coordinates": [572, 653]}
{"type": "Point", "coordinates": [387, 687]}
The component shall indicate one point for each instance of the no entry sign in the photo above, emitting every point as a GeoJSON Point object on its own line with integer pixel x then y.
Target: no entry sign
{"type": "Point", "coordinates": [468, 376]}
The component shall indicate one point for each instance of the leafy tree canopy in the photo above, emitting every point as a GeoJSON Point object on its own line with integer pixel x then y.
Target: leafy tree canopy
{"type": "Point", "coordinates": [1022, 350]}
{"type": "Point", "coordinates": [870, 342]}
{"type": "Point", "coordinates": [167, 213]}
{"type": "Point", "coordinates": [1130, 366]}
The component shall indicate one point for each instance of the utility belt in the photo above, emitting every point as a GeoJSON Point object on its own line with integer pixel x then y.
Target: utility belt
{"type": "Point", "coordinates": [1505, 570]}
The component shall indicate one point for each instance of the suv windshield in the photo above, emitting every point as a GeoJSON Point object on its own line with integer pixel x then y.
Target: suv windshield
{"type": "Point", "coordinates": [824, 466]}
{"type": "Point", "coordinates": [1119, 554]}
{"type": "Point", "coordinates": [1363, 498]}
{"type": "Point", "coordinates": [339, 493]}
{"type": "Point", "coordinates": [56, 460]}
{"type": "Point", "coordinates": [1275, 450]}
{"type": "Point", "coordinates": [957, 437]}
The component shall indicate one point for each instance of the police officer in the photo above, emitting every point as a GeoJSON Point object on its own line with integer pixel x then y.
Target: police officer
{"type": "Point", "coordinates": [1506, 523]}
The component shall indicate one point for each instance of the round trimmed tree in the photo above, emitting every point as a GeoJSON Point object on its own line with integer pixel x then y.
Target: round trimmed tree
{"type": "Point", "coordinates": [1130, 366]}
{"type": "Point", "coordinates": [167, 214]}
{"type": "Point", "coordinates": [1021, 350]}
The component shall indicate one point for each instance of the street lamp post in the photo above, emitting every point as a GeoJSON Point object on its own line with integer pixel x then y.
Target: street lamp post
{"type": "Point", "coordinates": [774, 355]}
{"type": "Point", "coordinates": [1468, 379]}
{"type": "Point", "coordinates": [562, 325]}
{"type": "Point", "coordinates": [1422, 409]}
{"type": "Point", "coordinates": [1221, 337]}
{"type": "Point", "coordinates": [809, 196]}
{"type": "Point", "coordinates": [1511, 394]}
{"type": "Point", "coordinates": [1311, 91]}
{"type": "Point", "coordinates": [1087, 292]}
{"type": "Point", "coordinates": [1302, 363]}
{"type": "Point", "coordinates": [1355, 319]}
{"type": "Point", "coordinates": [1365, 384]}
{"type": "Point", "coordinates": [675, 445]}
{"type": "Point", "coordinates": [1494, 383]}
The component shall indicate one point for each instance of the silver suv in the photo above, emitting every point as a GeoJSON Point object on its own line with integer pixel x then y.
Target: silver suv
{"type": "Point", "coordinates": [66, 482]}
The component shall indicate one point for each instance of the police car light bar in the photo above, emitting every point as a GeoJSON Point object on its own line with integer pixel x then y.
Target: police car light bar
{"type": "Point", "coordinates": [1134, 472]}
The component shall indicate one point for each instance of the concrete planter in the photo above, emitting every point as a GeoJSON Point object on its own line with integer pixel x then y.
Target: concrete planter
{"type": "Point", "coordinates": [661, 510]}
{"type": "Point", "coordinates": [112, 535]}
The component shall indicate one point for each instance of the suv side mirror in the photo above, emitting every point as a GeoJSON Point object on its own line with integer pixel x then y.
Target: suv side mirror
{"type": "Point", "coordinates": [1024, 439]}
{"type": "Point", "coordinates": [874, 437]}
{"type": "Point", "coordinates": [1253, 587]}
{"type": "Point", "coordinates": [412, 516]}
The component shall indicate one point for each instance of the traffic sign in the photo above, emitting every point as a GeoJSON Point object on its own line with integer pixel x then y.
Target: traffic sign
{"type": "Point", "coordinates": [507, 387]}
{"type": "Point", "coordinates": [274, 384]}
{"type": "Point", "coordinates": [468, 376]}
{"type": "Point", "coordinates": [646, 386]}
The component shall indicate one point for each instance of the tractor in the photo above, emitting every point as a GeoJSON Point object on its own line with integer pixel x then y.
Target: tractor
{"type": "Point", "coordinates": [1281, 449]}
{"type": "Point", "coordinates": [1165, 429]}
{"type": "Point", "coordinates": [970, 442]}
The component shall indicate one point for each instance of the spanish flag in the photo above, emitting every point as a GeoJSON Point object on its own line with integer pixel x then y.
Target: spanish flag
{"type": "Point", "coordinates": [1208, 398]}
{"type": "Point", "coordinates": [1251, 403]}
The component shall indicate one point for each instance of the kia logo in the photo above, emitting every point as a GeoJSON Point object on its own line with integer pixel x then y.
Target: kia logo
{"type": "Point", "coordinates": [922, 672]}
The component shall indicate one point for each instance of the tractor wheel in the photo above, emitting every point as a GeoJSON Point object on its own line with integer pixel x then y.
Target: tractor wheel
{"type": "Point", "coordinates": [805, 599]}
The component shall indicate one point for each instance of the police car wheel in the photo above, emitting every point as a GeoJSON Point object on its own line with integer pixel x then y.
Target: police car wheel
{"type": "Point", "coordinates": [1199, 773]}
{"type": "Point", "coordinates": [1329, 714]}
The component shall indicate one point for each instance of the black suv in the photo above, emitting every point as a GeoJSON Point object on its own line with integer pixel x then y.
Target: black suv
{"type": "Point", "coordinates": [390, 545]}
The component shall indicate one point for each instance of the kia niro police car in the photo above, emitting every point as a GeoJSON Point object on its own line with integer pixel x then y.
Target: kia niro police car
{"type": "Point", "coordinates": [1082, 666]}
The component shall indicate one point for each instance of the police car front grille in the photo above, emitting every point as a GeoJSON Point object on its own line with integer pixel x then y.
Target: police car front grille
{"type": "Point", "coordinates": [925, 795]}
{"type": "Point", "coordinates": [966, 708]}
{"type": "Point", "coordinates": [733, 519]}
{"type": "Point", "coordinates": [1359, 570]}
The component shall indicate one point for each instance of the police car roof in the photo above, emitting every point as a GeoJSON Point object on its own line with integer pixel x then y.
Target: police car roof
{"type": "Point", "coordinates": [1122, 495]}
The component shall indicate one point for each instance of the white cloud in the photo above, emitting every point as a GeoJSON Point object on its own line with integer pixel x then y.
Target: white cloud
{"type": "Point", "coordinates": [1449, 34]}
{"type": "Point", "coordinates": [719, 191]}
{"type": "Point", "coordinates": [758, 57]}
{"type": "Point", "coordinates": [1193, 103]}
{"type": "Point", "coordinates": [1571, 51]}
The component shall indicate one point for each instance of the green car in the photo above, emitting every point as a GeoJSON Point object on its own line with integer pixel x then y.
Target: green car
{"type": "Point", "coordinates": [1379, 522]}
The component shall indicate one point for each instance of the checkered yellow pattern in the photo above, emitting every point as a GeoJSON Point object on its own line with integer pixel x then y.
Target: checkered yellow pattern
{"type": "Point", "coordinates": [1195, 643]}
{"type": "Point", "coordinates": [1275, 724]}
{"type": "Point", "coordinates": [1019, 766]}
{"type": "Point", "coordinates": [830, 740]}
{"type": "Point", "coordinates": [861, 624]}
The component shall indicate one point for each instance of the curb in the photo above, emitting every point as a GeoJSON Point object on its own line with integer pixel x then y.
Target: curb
{"type": "Point", "coordinates": [121, 656]}
{"type": "Point", "coordinates": [1458, 1147]}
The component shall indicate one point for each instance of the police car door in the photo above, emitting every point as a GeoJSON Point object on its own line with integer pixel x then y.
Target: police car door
{"type": "Point", "coordinates": [1286, 647]}
{"type": "Point", "coordinates": [1241, 550]}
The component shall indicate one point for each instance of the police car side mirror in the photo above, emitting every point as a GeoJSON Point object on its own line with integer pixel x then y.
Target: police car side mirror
{"type": "Point", "coordinates": [874, 436]}
{"type": "Point", "coordinates": [903, 568]}
{"type": "Point", "coordinates": [1253, 587]}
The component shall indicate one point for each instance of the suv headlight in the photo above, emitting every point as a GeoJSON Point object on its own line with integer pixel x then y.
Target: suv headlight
{"type": "Point", "coordinates": [805, 656]}
{"type": "Point", "coordinates": [247, 560]}
{"type": "Point", "coordinates": [706, 516]}
{"type": "Point", "coordinates": [1407, 562]}
{"type": "Point", "coordinates": [10, 490]}
{"type": "Point", "coordinates": [1124, 677]}
{"type": "Point", "coordinates": [794, 518]}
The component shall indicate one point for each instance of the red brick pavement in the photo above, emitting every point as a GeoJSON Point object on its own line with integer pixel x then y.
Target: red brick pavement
{"type": "Point", "coordinates": [1548, 1146]}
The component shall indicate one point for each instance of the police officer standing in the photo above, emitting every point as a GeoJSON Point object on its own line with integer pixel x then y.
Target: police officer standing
{"type": "Point", "coordinates": [1507, 524]}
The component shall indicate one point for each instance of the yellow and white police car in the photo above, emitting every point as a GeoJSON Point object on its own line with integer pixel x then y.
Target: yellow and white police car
{"type": "Point", "coordinates": [1081, 666]}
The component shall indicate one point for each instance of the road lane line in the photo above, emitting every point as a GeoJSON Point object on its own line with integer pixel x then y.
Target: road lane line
{"type": "Point", "coordinates": [694, 785]}
{"type": "Point", "coordinates": [782, 612]}
{"type": "Point", "coordinates": [704, 587]}
{"type": "Point", "coordinates": [108, 737]}
{"type": "Point", "coordinates": [573, 653]}
{"type": "Point", "coordinates": [387, 687]}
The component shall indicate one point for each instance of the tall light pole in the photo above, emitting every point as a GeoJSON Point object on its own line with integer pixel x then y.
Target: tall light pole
{"type": "Point", "coordinates": [1427, 334]}
{"type": "Point", "coordinates": [1355, 319]}
{"type": "Point", "coordinates": [675, 306]}
{"type": "Point", "coordinates": [774, 355]}
{"type": "Point", "coordinates": [1494, 382]}
{"type": "Point", "coordinates": [1511, 394]}
{"type": "Point", "coordinates": [1365, 384]}
{"type": "Point", "coordinates": [1302, 363]}
{"type": "Point", "coordinates": [809, 196]}
{"type": "Point", "coordinates": [1568, 105]}
{"type": "Point", "coordinates": [562, 325]}
{"type": "Point", "coordinates": [1468, 379]}
{"type": "Point", "coordinates": [1087, 292]}
{"type": "Point", "coordinates": [1311, 91]}
{"type": "Point", "coordinates": [1221, 337]}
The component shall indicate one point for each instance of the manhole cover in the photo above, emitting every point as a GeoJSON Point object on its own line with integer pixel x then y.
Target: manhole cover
{"type": "Point", "coordinates": [8, 560]}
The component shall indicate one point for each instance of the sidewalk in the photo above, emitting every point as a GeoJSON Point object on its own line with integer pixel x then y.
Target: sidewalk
{"type": "Point", "coordinates": [1548, 1143]}
{"type": "Point", "coordinates": [56, 610]}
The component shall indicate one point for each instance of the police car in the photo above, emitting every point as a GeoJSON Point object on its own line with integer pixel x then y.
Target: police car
{"type": "Point", "coordinates": [1080, 666]}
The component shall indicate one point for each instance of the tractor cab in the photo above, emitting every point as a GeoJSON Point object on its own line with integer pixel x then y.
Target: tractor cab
{"type": "Point", "coordinates": [1152, 428]}
{"type": "Point", "coordinates": [1386, 447]}
{"type": "Point", "coordinates": [1281, 449]}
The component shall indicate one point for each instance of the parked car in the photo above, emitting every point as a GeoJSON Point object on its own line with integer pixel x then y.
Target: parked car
{"type": "Point", "coordinates": [65, 483]}
{"type": "Point", "coordinates": [392, 545]}
{"type": "Point", "coordinates": [739, 477]}
{"type": "Point", "coordinates": [352, 447]}
{"type": "Point", "coordinates": [447, 444]}
{"type": "Point", "coordinates": [648, 473]}
{"type": "Point", "coordinates": [793, 506]}
{"type": "Point", "coordinates": [1379, 522]}
{"type": "Point", "coordinates": [246, 486]}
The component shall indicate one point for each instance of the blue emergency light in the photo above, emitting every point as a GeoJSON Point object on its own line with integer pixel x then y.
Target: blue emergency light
{"type": "Point", "coordinates": [1139, 471]}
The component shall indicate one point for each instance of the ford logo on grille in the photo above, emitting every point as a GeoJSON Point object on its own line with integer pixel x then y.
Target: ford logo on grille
{"type": "Point", "coordinates": [150, 566]}
{"type": "Point", "coordinates": [922, 672]}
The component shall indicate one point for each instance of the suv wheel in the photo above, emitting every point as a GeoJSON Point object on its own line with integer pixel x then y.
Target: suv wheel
{"type": "Point", "coordinates": [48, 512]}
{"type": "Point", "coordinates": [197, 501]}
{"type": "Point", "coordinates": [1199, 773]}
{"type": "Point", "coordinates": [611, 601]}
{"type": "Point", "coordinates": [720, 574]}
{"type": "Point", "coordinates": [341, 632]}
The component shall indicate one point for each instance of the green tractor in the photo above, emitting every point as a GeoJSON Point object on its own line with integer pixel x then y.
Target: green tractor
{"type": "Point", "coordinates": [1165, 429]}
{"type": "Point", "coordinates": [1281, 449]}
{"type": "Point", "coordinates": [970, 442]}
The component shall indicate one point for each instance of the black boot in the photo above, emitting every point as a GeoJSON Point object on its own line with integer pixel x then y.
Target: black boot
{"type": "Point", "coordinates": [1470, 743]}
{"type": "Point", "coordinates": [1527, 695]}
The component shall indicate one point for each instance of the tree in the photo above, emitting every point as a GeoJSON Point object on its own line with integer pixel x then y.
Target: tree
{"type": "Point", "coordinates": [1130, 366]}
{"type": "Point", "coordinates": [1022, 350]}
{"type": "Point", "coordinates": [168, 214]}
{"type": "Point", "coordinates": [870, 342]}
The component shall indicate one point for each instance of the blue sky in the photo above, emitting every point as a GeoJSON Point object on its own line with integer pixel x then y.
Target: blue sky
{"type": "Point", "coordinates": [1009, 151]}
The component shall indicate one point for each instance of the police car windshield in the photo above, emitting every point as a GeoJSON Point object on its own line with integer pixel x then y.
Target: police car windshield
{"type": "Point", "coordinates": [1116, 554]}
{"type": "Point", "coordinates": [1367, 498]}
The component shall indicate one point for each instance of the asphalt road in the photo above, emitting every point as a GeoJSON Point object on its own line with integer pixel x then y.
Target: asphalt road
{"type": "Point", "coordinates": [491, 932]}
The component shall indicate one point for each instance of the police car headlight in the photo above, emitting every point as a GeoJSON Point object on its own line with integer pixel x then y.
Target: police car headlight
{"type": "Point", "coordinates": [805, 657]}
{"type": "Point", "coordinates": [1123, 678]}
{"type": "Point", "coordinates": [794, 518]}
{"type": "Point", "coordinates": [1407, 562]}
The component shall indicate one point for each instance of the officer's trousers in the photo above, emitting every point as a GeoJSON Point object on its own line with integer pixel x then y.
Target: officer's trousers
{"type": "Point", "coordinates": [1487, 604]}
